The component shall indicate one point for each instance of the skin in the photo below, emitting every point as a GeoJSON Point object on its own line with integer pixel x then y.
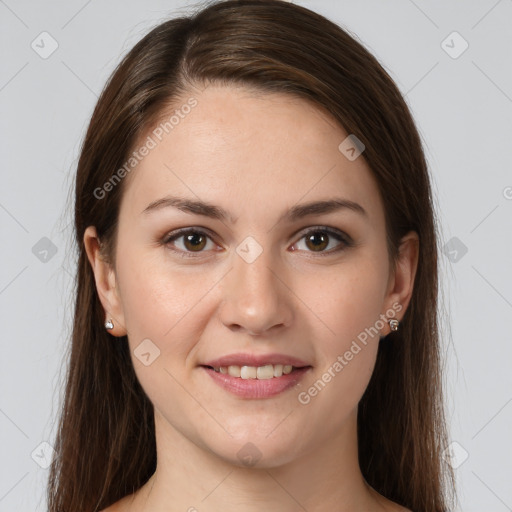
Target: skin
{"type": "Point", "coordinates": [255, 155]}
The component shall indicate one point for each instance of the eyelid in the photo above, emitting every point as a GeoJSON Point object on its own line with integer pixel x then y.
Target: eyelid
{"type": "Point", "coordinates": [345, 240]}
{"type": "Point", "coordinates": [174, 235]}
{"type": "Point", "coordinates": [327, 229]}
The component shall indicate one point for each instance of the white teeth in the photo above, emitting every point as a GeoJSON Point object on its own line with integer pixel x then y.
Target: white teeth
{"type": "Point", "coordinates": [248, 372]}
{"type": "Point", "coordinates": [278, 370]}
{"type": "Point", "coordinates": [267, 371]}
{"type": "Point", "coordinates": [234, 371]}
{"type": "Point", "coordinates": [287, 368]}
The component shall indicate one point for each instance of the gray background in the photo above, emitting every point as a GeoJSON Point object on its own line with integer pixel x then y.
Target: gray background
{"type": "Point", "coordinates": [462, 103]}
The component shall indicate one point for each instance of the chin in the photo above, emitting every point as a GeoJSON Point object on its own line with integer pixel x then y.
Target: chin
{"type": "Point", "coordinates": [255, 447]}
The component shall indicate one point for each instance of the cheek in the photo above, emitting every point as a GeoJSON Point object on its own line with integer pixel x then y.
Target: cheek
{"type": "Point", "coordinates": [162, 308]}
{"type": "Point", "coordinates": [348, 301]}
{"type": "Point", "coordinates": [157, 297]}
{"type": "Point", "coordinates": [349, 304]}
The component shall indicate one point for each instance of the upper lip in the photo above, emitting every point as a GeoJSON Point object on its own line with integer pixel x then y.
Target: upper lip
{"type": "Point", "coordinates": [241, 359]}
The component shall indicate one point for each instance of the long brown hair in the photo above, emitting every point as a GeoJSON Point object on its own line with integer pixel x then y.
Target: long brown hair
{"type": "Point", "coordinates": [105, 443]}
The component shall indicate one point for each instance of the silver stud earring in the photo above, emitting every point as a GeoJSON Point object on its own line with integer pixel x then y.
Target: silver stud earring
{"type": "Point", "coordinates": [109, 325]}
{"type": "Point", "coordinates": [393, 324]}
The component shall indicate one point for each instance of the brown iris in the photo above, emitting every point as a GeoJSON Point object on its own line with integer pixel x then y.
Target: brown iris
{"type": "Point", "coordinates": [318, 240]}
{"type": "Point", "coordinates": [197, 241]}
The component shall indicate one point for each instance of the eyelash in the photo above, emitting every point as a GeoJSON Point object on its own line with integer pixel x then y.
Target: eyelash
{"type": "Point", "coordinates": [345, 240]}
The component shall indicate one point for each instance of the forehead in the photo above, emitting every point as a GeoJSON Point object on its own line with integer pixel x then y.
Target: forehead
{"type": "Point", "coordinates": [247, 149]}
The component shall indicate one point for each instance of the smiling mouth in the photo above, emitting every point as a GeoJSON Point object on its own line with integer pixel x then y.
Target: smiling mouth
{"type": "Point", "coordinates": [265, 372]}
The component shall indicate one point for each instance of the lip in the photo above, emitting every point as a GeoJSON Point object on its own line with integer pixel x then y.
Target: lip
{"type": "Point", "coordinates": [256, 388]}
{"type": "Point", "coordinates": [241, 359]}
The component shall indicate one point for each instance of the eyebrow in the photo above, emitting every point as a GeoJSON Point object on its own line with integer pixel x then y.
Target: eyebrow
{"type": "Point", "coordinates": [295, 213]}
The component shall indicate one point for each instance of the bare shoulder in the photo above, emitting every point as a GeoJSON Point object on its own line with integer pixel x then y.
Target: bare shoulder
{"type": "Point", "coordinates": [113, 508]}
{"type": "Point", "coordinates": [391, 506]}
{"type": "Point", "coordinates": [385, 504]}
{"type": "Point", "coordinates": [119, 506]}
{"type": "Point", "coordinates": [398, 508]}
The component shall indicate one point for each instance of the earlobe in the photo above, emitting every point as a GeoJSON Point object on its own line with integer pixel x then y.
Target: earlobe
{"type": "Point", "coordinates": [105, 279]}
{"type": "Point", "coordinates": [402, 281]}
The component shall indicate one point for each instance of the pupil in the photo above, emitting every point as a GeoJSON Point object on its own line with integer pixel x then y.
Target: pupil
{"type": "Point", "coordinates": [192, 239]}
{"type": "Point", "coordinates": [323, 242]}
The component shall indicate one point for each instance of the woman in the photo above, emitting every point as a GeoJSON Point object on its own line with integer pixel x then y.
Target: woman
{"type": "Point", "coordinates": [255, 319]}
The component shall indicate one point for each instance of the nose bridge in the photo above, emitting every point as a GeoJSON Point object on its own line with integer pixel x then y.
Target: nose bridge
{"type": "Point", "coordinates": [255, 298]}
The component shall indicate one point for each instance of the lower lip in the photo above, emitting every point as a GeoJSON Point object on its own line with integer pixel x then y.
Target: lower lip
{"type": "Point", "coordinates": [256, 388]}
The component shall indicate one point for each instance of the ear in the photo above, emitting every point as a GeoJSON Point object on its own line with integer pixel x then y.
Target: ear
{"type": "Point", "coordinates": [105, 278]}
{"type": "Point", "coordinates": [401, 281]}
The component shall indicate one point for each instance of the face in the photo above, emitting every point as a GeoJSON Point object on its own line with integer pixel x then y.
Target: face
{"type": "Point", "coordinates": [254, 277]}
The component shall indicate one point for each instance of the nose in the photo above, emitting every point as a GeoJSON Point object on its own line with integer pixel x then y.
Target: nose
{"type": "Point", "coordinates": [256, 298]}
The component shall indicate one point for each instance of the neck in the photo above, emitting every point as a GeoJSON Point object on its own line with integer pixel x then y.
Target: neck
{"type": "Point", "coordinates": [190, 478]}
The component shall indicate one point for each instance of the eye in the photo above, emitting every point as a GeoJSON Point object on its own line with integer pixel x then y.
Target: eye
{"type": "Point", "coordinates": [194, 241]}
{"type": "Point", "coordinates": [319, 238]}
